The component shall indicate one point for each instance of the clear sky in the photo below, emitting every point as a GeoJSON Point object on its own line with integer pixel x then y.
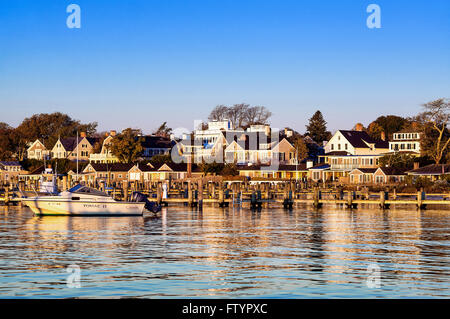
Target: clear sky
{"type": "Point", "coordinates": [139, 63]}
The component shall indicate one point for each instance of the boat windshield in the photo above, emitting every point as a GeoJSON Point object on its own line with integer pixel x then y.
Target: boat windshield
{"type": "Point", "coordinates": [80, 189]}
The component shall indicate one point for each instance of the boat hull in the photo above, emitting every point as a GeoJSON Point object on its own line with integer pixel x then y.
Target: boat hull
{"type": "Point", "coordinates": [80, 208]}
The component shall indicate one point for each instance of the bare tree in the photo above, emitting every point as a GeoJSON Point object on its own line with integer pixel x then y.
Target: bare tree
{"type": "Point", "coordinates": [257, 115]}
{"type": "Point", "coordinates": [236, 114]}
{"type": "Point", "coordinates": [241, 115]}
{"type": "Point", "coordinates": [436, 117]}
{"type": "Point", "coordinates": [219, 113]}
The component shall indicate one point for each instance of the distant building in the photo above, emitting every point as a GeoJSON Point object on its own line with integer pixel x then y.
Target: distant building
{"type": "Point", "coordinates": [37, 151]}
{"type": "Point", "coordinates": [109, 173]}
{"type": "Point", "coordinates": [297, 172]}
{"type": "Point", "coordinates": [406, 141]}
{"type": "Point", "coordinates": [348, 150]}
{"type": "Point", "coordinates": [166, 171]}
{"type": "Point", "coordinates": [433, 171]}
{"type": "Point", "coordinates": [10, 170]}
{"type": "Point", "coordinates": [105, 156]}
{"type": "Point", "coordinates": [356, 143]}
{"type": "Point", "coordinates": [73, 148]}
{"type": "Point", "coordinates": [156, 145]}
{"type": "Point", "coordinates": [221, 143]}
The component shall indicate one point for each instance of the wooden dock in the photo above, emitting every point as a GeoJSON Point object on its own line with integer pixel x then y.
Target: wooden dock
{"type": "Point", "coordinates": [201, 191]}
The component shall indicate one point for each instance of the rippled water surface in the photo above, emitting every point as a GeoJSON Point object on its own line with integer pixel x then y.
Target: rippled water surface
{"type": "Point", "coordinates": [228, 253]}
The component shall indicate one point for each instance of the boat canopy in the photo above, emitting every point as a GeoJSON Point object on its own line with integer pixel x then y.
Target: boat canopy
{"type": "Point", "coordinates": [80, 189]}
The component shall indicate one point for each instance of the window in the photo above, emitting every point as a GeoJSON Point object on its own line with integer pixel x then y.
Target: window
{"type": "Point", "coordinates": [332, 146]}
{"type": "Point", "coordinates": [339, 146]}
{"type": "Point", "coordinates": [346, 146]}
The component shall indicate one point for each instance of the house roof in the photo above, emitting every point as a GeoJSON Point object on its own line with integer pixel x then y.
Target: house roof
{"type": "Point", "coordinates": [365, 170]}
{"type": "Point", "coordinates": [10, 163]}
{"type": "Point", "coordinates": [179, 167]}
{"type": "Point", "coordinates": [390, 171]}
{"type": "Point", "coordinates": [281, 167]}
{"type": "Point", "coordinates": [320, 166]}
{"type": "Point", "coordinates": [153, 141]}
{"type": "Point", "coordinates": [357, 139]}
{"type": "Point", "coordinates": [35, 142]}
{"type": "Point", "coordinates": [113, 167]}
{"type": "Point", "coordinates": [433, 169]}
{"type": "Point", "coordinates": [338, 153]}
{"type": "Point", "coordinates": [70, 143]}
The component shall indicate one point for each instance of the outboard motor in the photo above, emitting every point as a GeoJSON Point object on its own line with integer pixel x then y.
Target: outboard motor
{"type": "Point", "coordinates": [141, 198]}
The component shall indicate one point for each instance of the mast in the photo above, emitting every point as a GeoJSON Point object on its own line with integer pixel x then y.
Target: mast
{"type": "Point", "coordinates": [77, 155]}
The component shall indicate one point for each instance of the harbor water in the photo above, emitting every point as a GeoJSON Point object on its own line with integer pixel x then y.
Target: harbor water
{"type": "Point", "coordinates": [227, 253]}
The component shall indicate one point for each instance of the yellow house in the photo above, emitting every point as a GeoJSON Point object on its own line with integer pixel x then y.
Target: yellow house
{"type": "Point", "coordinates": [74, 148]}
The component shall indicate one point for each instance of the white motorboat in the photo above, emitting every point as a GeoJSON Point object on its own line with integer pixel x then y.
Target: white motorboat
{"type": "Point", "coordinates": [81, 201]}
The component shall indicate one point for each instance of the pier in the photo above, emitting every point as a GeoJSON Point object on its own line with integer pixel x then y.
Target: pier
{"type": "Point", "coordinates": [215, 191]}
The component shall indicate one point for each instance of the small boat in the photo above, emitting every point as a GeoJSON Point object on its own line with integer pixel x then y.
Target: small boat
{"type": "Point", "coordinates": [86, 201]}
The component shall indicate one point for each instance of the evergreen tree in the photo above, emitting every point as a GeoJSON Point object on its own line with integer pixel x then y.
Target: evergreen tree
{"type": "Point", "coordinates": [317, 128]}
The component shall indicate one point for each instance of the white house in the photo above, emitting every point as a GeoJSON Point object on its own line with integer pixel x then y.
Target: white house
{"type": "Point", "coordinates": [405, 141]}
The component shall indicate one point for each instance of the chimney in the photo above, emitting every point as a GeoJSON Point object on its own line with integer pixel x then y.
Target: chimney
{"type": "Point", "coordinates": [359, 127]}
{"type": "Point", "coordinates": [383, 136]}
{"type": "Point", "coordinates": [416, 165]}
{"type": "Point", "coordinates": [83, 134]}
{"type": "Point", "coordinates": [189, 167]}
{"type": "Point", "coordinates": [106, 134]}
{"type": "Point", "coordinates": [113, 133]}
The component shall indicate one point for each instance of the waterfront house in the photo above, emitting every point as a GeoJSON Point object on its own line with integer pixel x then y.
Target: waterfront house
{"type": "Point", "coordinates": [105, 156]}
{"type": "Point", "coordinates": [156, 145]}
{"type": "Point", "coordinates": [433, 171]}
{"type": "Point", "coordinates": [165, 171]}
{"type": "Point", "coordinates": [356, 142]}
{"type": "Point", "coordinates": [220, 142]}
{"type": "Point", "coordinates": [362, 175]}
{"type": "Point", "coordinates": [37, 151]}
{"type": "Point", "coordinates": [347, 151]}
{"type": "Point", "coordinates": [380, 175]}
{"type": "Point", "coordinates": [74, 148]}
{"type": "Point", "coordinates": [10, 171]}
{"type": "Point", "coordinates": [385, 175]}
{"type": "Point", "coordinates": [110, 173]}
{"type": "Point", "coordinates": [406, 141]}
{"type": "Point", "coordinates": [282, 171]}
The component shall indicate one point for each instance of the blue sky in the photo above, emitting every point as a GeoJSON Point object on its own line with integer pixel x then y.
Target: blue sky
{"type": "Point", "coordinates": [139, 63]}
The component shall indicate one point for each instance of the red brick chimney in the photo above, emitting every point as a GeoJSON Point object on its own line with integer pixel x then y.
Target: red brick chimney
{"type": "Point", "coordinates": [416, 165]}
{"type": "Point", "coordinates": [83, 134]}
{"type": "Point", "coordinates": [383, 136]}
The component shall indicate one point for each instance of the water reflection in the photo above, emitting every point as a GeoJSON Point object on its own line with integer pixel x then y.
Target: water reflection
{"type": "Point", "coordinates": [227, 253]}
